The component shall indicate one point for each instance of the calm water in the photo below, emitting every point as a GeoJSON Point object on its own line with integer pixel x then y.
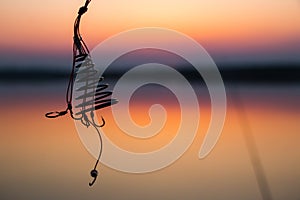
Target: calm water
{"type": "Point", "coordinates": [44, 158]}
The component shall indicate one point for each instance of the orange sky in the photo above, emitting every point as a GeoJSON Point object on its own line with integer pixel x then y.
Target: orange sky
{"type": "Point", "coordinates": [232, 24]}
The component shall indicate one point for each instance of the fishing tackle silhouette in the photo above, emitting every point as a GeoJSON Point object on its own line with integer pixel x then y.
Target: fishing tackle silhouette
{"type": "Point", "coordinates": [92, 93]}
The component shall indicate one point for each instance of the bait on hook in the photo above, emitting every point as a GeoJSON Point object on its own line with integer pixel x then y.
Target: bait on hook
{"type": "Point", "coordinates": [92, 95]}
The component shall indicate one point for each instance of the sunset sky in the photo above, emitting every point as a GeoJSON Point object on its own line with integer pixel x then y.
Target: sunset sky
{"type": "Point", "coordinates": [36, 33]}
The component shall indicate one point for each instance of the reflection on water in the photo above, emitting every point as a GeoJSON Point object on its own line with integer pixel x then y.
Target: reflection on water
{"type": "Point", "coordinates": [44, 158]}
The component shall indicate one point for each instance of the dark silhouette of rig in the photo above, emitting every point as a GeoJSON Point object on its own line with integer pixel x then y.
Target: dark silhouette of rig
{"type": "Point", "coordinates": [93, 95]}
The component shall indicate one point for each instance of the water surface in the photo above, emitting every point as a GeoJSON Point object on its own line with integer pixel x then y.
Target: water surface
{"type": "Point", "coordinates": [44, 158]}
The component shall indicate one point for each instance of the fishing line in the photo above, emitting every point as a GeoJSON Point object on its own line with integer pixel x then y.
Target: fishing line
{"type": "Point", "coordinates": [252, 148]}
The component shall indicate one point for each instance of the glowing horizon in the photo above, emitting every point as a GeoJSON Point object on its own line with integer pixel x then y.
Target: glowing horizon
{"type": "Point", "coordinates": [223, 26]}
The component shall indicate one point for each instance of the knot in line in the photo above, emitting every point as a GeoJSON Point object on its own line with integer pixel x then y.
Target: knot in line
{"type": "Point", "coordinates": [82, 10]}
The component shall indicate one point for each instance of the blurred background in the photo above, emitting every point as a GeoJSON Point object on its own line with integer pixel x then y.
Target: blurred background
{"type": "Point", "coordinates": [256, 46]}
